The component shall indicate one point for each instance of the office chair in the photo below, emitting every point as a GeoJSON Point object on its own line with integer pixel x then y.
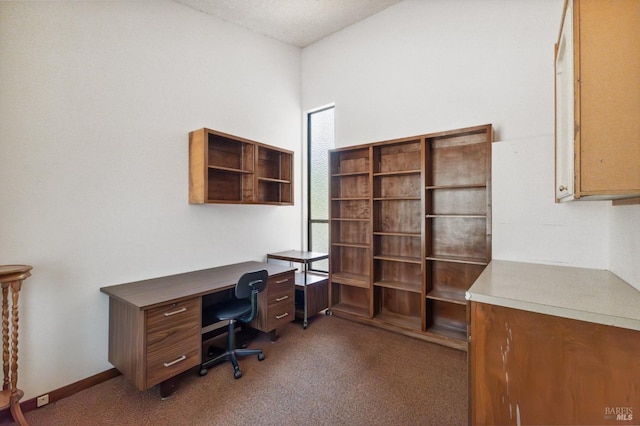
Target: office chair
{"type": "Point", "coordinates": [243, 308]}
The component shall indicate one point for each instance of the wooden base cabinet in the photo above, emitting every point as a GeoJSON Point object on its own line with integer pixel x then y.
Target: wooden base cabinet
{"type": "Point", "coordinates": [410, 231]}
{"type": "Point", "coordinates": [532, 369]}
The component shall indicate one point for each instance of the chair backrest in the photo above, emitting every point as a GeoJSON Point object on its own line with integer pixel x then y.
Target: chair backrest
{"type": "Point", "coordinates": [251, 281]}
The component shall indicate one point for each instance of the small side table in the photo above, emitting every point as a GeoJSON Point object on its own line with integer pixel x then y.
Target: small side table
{"type": "Point", "coordinates": [304, 258]}
{"type": "Point", "coordinates": [11, 277]}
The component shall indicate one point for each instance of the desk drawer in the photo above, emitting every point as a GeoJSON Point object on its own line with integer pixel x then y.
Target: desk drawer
{"type": "Point", "coordinates": [279, 284]}
{"type": "Point", "coordinates": [280, 313]}
{"type": "Point", "coordinates": [277, 306]}
{"type": "Point", "coordinates": [173, 340]}
{"type": "Point", "coordinates": [280, 301]}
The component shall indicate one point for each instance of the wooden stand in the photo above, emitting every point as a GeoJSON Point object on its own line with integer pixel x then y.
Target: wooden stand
{"type": "Point", "coordinates": [311, 289]}
{"type": "Point", "coordinates": [11, 277]}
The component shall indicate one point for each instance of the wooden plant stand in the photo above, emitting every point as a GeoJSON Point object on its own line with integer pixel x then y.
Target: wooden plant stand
{"type": "Point", "coordinates": [11, 277]}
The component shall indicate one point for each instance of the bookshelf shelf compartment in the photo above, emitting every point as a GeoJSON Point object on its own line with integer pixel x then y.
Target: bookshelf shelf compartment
{"type": "Point", "coordinates": [397, 216]}
{"type": "Point", "coordinates": [230, 187]}
{"type": "Point", "coordinates": [351, 186]}
{"type": "Point", "coordinates": [398, 157]}
{"type": "Point", "coordinates": [401, 248]}
{"type": "Point", "coordinates": [449, 319]}
{"type": "Point", "coordinates": [458, 237]}
{"type": "Point", "coordinates": [451, 280]}
{"type": "Point", "coordinates": [358, 209]}
{"type": "Point", "coordinates": [458, 159]}
{"type": "Point", "coordinates": [456, 201]}
{"type": "Point", "coordinates": [397, 186]}
{"type": "Point", "coordinates": [350, 300]}
{"type": "Point", "coordinates": [350, 162]}
{"type": "Point", "coordinates": [398, 307]}
{"type": "Point", "coordinates": [351, 279]}
{"type": "Point", "coordinates": [400, 275]}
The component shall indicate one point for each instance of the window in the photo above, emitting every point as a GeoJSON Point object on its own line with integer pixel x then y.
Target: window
{"type": "Point", "coordinates": [320, 139]}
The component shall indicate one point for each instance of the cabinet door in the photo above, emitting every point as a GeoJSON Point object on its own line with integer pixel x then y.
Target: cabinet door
{"type": "Point", "coordinates": [565, 119]}
{"type": "Point", "coordinates": [597, 69]}
{"type": "Point", "coordinates": [609, 97]}
{"type": "Point", "coordinates": [536, 369]}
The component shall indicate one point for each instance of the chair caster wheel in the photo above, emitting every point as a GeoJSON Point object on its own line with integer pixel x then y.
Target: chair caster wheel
{"type": "Point", "coordinates": [261, 357]}
{"type": "Point", "coordinates": [203, 372]}
{"type": "Point", "coordinates": [237, 374]}
{"type": "Point", "coordinates": [328, 312]}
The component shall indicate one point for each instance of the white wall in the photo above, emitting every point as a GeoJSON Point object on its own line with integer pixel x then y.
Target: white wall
{"type": "Point", "coordinates": [425, 66]}
{"type": "Point", "coordinates": [624, 243]}
{"type": "Point", "coordinates": [97, 99]}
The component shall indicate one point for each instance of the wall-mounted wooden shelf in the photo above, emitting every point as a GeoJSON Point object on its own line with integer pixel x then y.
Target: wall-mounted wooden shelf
{"type": "Point", "coordinates": [232, 170]}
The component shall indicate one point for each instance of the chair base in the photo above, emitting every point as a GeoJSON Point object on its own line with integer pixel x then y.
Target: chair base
{"type": "Point", "coordinates": [231, 354]}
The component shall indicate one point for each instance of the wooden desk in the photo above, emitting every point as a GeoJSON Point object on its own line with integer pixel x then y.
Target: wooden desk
{"type": "Point", "coordinates": [155, 325]}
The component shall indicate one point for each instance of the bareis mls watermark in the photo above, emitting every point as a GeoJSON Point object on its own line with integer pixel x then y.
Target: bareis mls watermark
{"type": "Point", "coordinates": [618, 413]}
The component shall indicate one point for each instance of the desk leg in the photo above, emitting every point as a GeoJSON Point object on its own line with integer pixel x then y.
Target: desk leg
{"type": "Point", "coordinates": [273, 335]}
{"type": "Point", "coordinates": [304, 321]}
{"type": "Point", "coordinates": [168, 387]}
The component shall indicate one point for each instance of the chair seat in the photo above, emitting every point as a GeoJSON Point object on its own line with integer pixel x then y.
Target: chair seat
{"type": "Point", "coordinates": [229, 310]}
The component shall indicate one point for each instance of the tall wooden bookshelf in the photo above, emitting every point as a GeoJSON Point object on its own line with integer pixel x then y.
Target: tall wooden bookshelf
{"type": "Point", "coordinates": [350, 222]}
{"type": "Point", "coordinates": [397, 233]}
{"type": "Point", "coordinates": [411, 231]}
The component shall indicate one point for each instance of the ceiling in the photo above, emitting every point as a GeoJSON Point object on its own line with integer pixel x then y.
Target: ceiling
{"type": "Point", "coordinates": [295, 22]}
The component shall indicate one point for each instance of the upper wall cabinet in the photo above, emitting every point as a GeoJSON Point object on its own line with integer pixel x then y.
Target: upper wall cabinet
{"type": "Point", "coordinates": [597, 95]}
{"type": "Point", "coordinates": [229, 169]}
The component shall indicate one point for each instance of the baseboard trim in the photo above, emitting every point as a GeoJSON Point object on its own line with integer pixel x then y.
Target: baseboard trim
{"type": "Point", "coordinates": [63, 392]}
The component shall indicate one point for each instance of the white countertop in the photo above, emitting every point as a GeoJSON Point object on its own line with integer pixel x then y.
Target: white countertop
{"type": "Point", "coordinates": [591, 295]}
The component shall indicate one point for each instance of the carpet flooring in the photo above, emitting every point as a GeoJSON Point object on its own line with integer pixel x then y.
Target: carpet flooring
{"type": "Point", "coordinates": [336, 372]}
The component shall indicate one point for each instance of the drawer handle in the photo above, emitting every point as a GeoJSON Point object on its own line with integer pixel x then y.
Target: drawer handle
{"type": "Point", "coordinates": [282, 281]}
{"type": "Point", "coordinates": [282, 316]}
{"type": "Point", "coordinates": [175, 361]}
{"type": "Point", "coordinates": [280, 299]}
{"type": "Point", "coordinates": [168, 314]}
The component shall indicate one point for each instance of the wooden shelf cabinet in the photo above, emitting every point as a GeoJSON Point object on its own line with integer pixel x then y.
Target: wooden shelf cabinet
{"type": "Point", "coordinates": [229, 169]}
{"type": "Point", "coordinates": [458, 224]}
{"type": "Point", "coordinates": [397, 230]}
{"type": "Point", "coordinates": [597, 101]}
{"type": "Point", "coordinates": [410, 231]}
{"type": "Point", "coordinates": [350, 237]}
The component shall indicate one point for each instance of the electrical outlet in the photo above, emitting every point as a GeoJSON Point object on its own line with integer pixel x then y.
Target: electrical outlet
{"type": "Point", "coordinates": [42, 400]}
